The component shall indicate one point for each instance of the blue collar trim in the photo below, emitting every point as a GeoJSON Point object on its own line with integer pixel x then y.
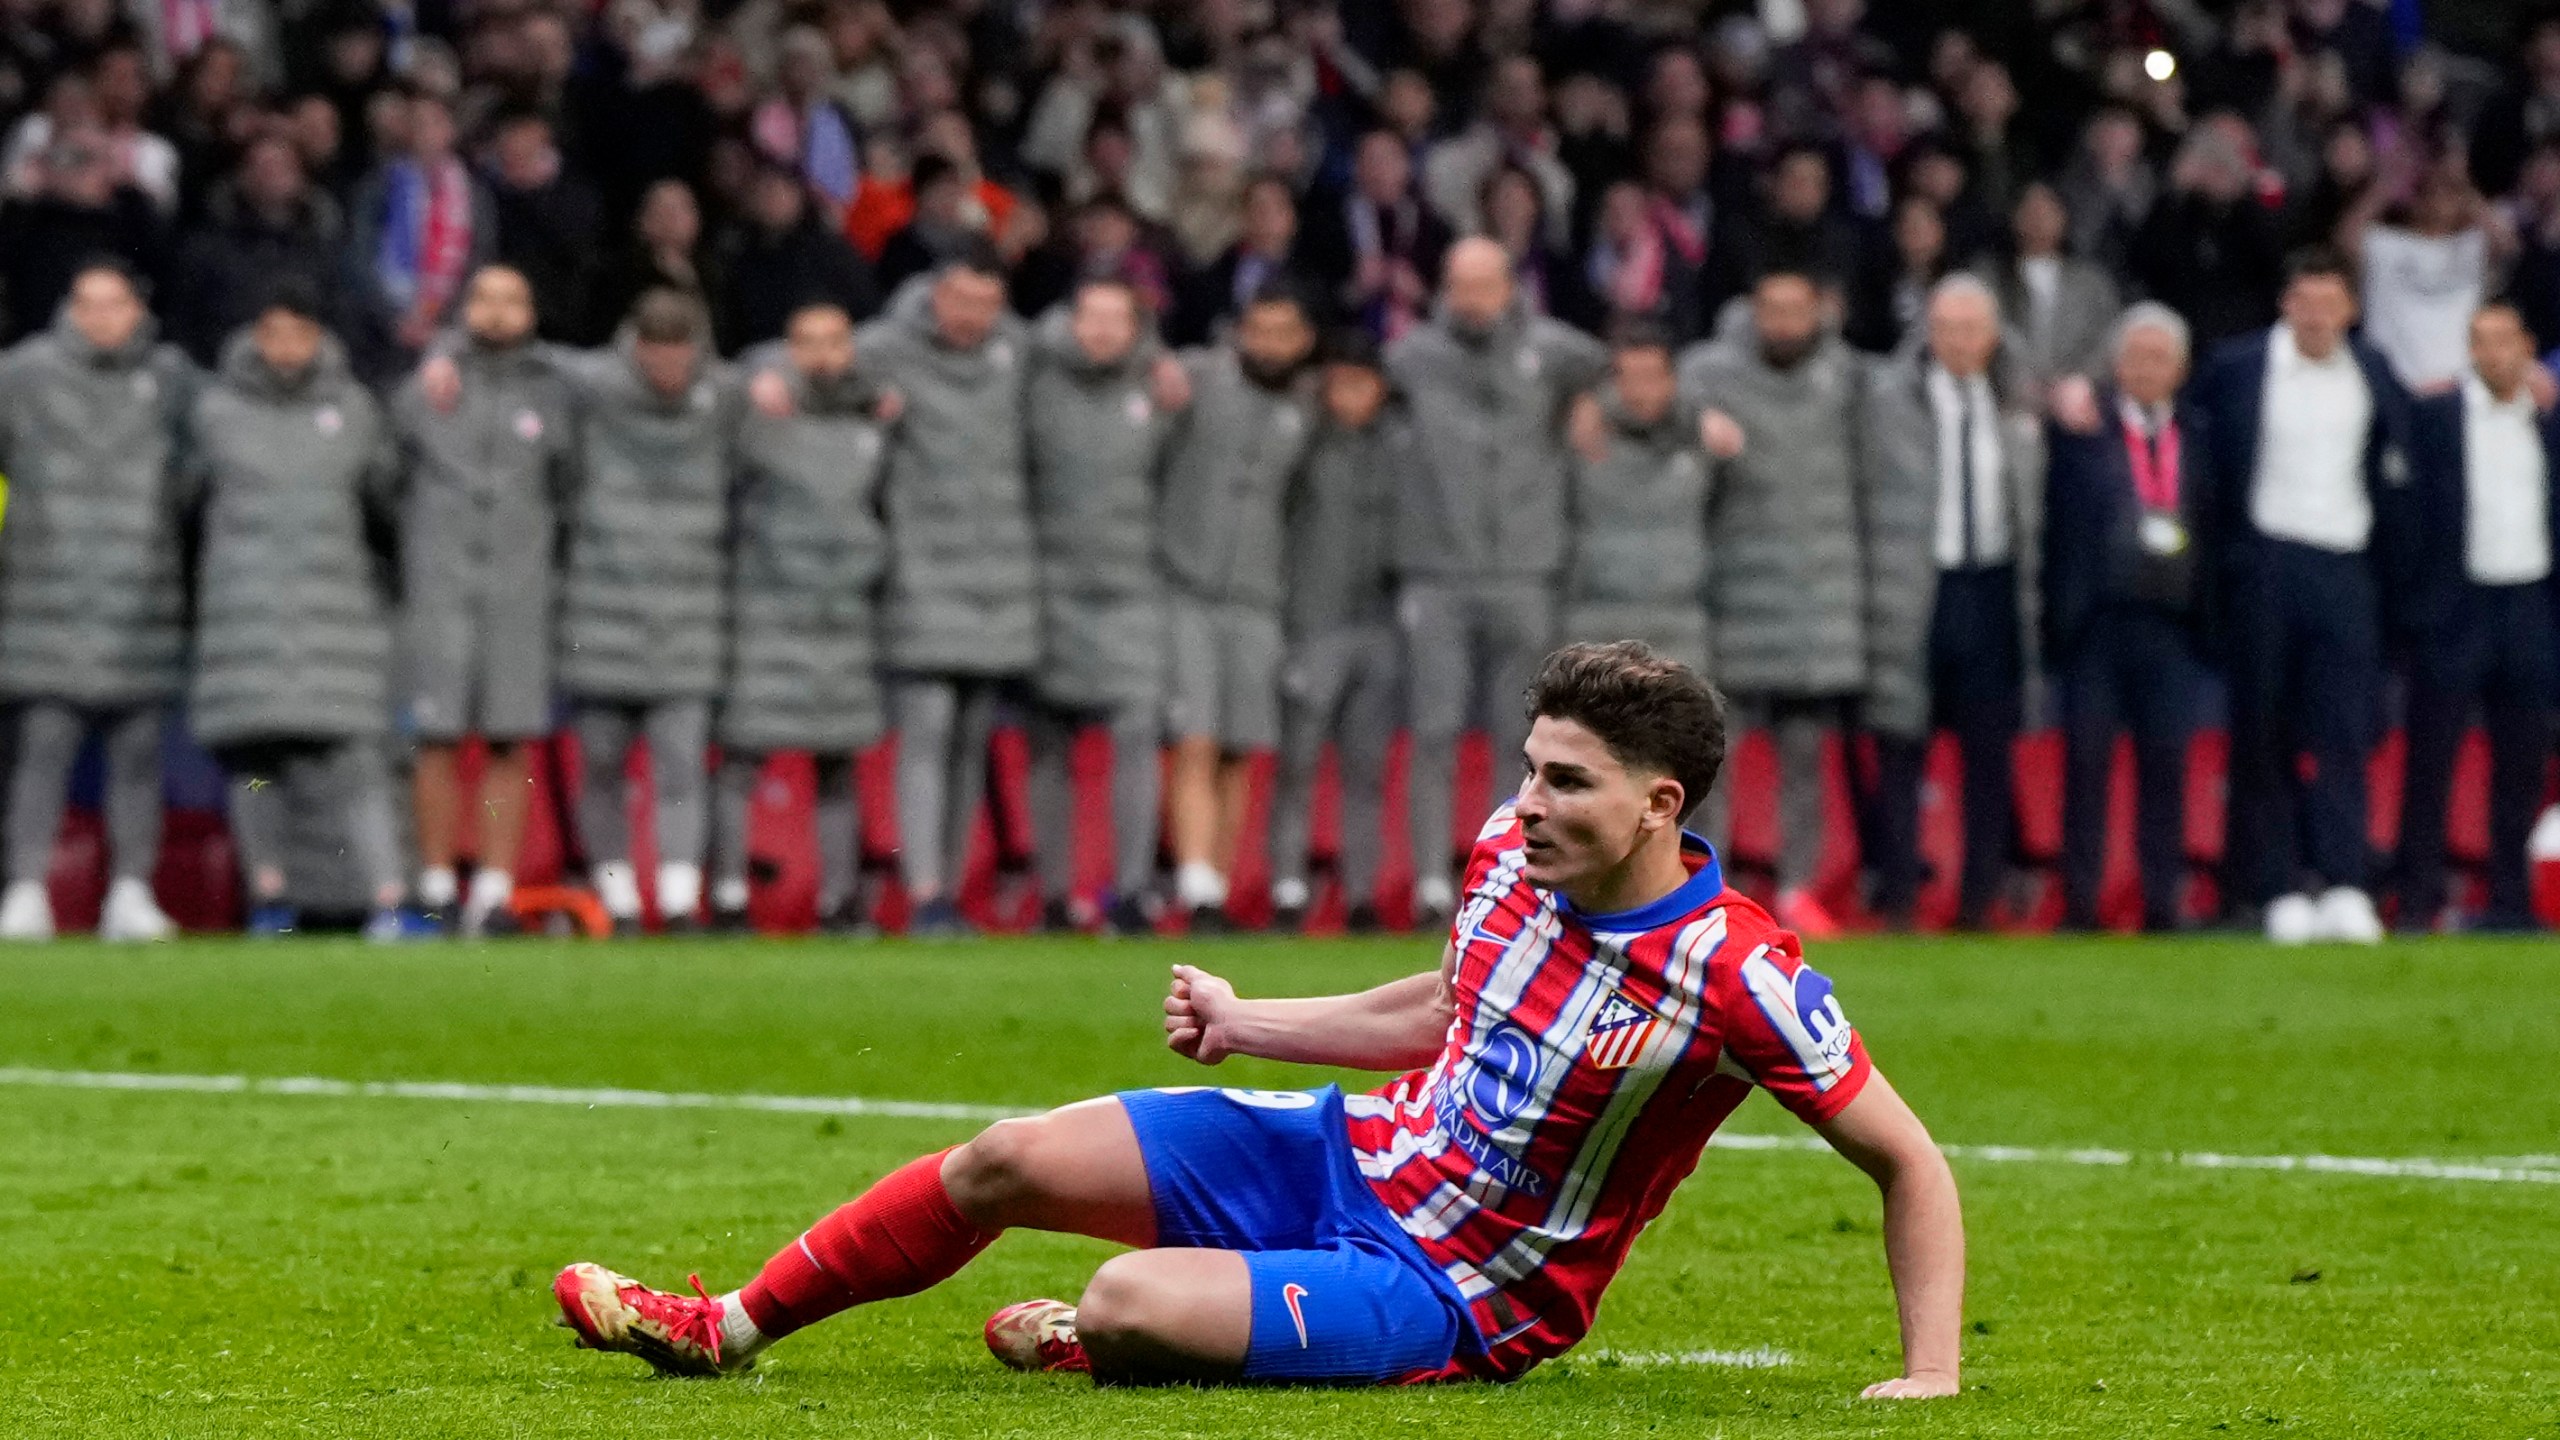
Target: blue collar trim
{"type": "Point", "coordinates": [1704, 884]}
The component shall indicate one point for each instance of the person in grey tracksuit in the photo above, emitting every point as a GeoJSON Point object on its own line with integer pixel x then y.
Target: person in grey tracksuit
{"type": "Point", "coordinates": [644, 606]}
{"type": "Point", "coordinates": [1096, 440]}
{"type": "Point", "coordinates": [479, 550]}
{"type": "Point", "coordinates": [808, 556]}
{"type": "Point", "coordinates": [960, 614]}
{"type": "Point", "coordinates": [1343, 680]}
{"type": "Point", "coordinates": [1640, 546]}
{"type": "Point", "coordinates": [291, 681]}
{"type": "Point", "coordinates": [1786, 593]}
{"type": "Point", "coordinates": [92, 609]}
{"type": "Point", "coordinates": [1480, 530]}
{"type": "Point", "coordinates": [1233, 460]}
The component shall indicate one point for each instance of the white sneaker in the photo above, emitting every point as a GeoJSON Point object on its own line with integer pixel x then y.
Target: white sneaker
{"type": "Point", "coordinates": [2292, 920]}
{"type": "Point", "coordinates": [26, 911]}
{"type": "Point", "coordinates": [2544, 843]}
{"type": "Point", "coordinates": [133, 913]}
{"type": "Point", "coordinates": [2346, 914]}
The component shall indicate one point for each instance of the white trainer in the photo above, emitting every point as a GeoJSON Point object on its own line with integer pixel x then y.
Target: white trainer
{"type": "Point", "coordinates": [26, 911]}
{"type": "Point", "coordinates": [2346, 914]}
{"type": "Point", "coordinates": [133, 913]}
{"type": "Point", "coordinates": [2292, 920]}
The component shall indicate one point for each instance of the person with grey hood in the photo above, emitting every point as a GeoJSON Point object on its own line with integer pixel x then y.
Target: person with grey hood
{"type": "Point", "coordinates": [1344, 678]}
{"type": "Point", "coordinates": [1786, 593]}
{"type": "Point", "coordinates": [479, 544]}
{"type": "Point", "coordinates": [1954, 517]}
{"type": "Point", "coordinates": [92, 607]}
{"type": "Point", "coordinates": [291, 682]}
{"type": "Point", "coordinates": [1480, 530]}
{"type": "Point", "coordinates": [645, 599]}
{"type": "Point", "coordinates": [1096, 440]}
{"type": "Point", "coordinates": [1639, 568]}
{"type": "Point", "coordinates": [1229, 474]}
{"type": "Point", "coordinates": [960, 616]}
{"type": "Point", "coordinates": [807, 561]}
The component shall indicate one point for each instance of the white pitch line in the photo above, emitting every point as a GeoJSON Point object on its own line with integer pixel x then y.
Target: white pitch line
{"type": "Point", "coordinates": [2508, 1169]}
{"type": "Point", "coordinates": [1758, 1357]}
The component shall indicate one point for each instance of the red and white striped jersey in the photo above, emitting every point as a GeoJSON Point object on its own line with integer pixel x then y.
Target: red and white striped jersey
{"type": "Point", "coordinates": [1590, 1058]}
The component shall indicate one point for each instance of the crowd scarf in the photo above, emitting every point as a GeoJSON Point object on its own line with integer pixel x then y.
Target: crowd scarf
{"type": "Point", "coordinates": [426, 234]}
{"type": "Point", "coordinates": [2155, 480]}
{"type": "Point", "coordinates": [1684, 235]}
{"type": "Point", "coordinates": [186, 24]}
{"type": "Point", "coordinates": [1630, 274]}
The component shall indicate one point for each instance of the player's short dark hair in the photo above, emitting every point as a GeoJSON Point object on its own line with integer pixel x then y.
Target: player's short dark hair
{"type": "Point", "coordinates": [1281, 290]}
{"type": "Point", "coordinates": [1653, 713]}
{"type": "Point", "coordinates": [664, 316]}
{"type": "Point", "coordinates": [2319, 262]}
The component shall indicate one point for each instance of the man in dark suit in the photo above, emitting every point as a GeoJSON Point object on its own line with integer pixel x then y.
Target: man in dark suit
{"type": "Point", "coordinates": [2482, 458]}
{"type": "Point", "coordinates": [2128, 514]}
{"type": "Point", "coordinates": [2313, 538]}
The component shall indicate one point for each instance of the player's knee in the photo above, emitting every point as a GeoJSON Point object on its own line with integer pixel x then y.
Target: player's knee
{"type": "Point", "coordinates": [1120, 1313]}
{"type": "Point", "coordinates": [990, 1177]}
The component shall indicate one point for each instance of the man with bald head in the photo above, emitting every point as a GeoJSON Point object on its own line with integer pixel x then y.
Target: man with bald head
{"type": "Point", "coordinates": [2129, 508]}
{"type": "Point", "coordinates": [1954, 514]}
{"type": "Point", "coordinates": [1480, 530]}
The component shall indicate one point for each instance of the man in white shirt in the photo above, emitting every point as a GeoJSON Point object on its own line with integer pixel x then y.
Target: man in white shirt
{"type": "Point", "coordinates": [2307, 428]}
{"type": "Point", "coordinates": [2483, 459]}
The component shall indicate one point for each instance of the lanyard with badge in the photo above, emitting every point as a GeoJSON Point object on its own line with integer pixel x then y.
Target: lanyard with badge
{"type": "Point", "coordinates": [2155, 483]}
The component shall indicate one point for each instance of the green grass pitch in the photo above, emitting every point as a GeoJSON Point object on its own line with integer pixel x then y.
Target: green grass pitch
{"type": "Point", "coordinates": [229, 1264]}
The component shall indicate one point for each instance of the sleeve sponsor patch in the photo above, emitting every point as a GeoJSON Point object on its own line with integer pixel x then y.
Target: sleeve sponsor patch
{"type": "Point", "coordinates": [1806, 1015]}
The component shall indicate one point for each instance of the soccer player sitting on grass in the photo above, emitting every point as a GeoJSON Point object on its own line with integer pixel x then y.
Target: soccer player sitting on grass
{"type": "Point", "coordinates": [1603, 1004]}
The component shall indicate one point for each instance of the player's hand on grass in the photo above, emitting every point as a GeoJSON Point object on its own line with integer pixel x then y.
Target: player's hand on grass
{"type": "Point", "coordinates": [1925, 1385]}
{"type": "Point", "coordinates": [1196, 1013]}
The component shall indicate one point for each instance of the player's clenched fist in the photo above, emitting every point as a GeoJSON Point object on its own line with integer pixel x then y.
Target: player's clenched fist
{"type": "Point", "coordinates": [1195, 1015]}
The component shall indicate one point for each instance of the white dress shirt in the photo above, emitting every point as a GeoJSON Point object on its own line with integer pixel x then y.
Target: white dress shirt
{"type": "Point", "coordinates": [1961, 405]}
{"type": "Point", "coordinates": [2507, 537]}
{"type": "Point", "coordinates": [2312, 426]}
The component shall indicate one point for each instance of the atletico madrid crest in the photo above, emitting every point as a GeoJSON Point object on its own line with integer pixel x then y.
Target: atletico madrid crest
{"type": "Point", "coordinates": [1619, 1035]}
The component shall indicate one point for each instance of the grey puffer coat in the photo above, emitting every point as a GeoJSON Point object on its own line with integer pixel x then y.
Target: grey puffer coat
{"type": "Point", "coordinates": [803, 671]}
{"type": "Point", "coordinates": [1787, 594]}
{"type": "Point", "coordinates": [291, 638]}
{"type": "Point", "coordinates": [1096, 442]}
{"type": "Point", "coordinates": [963, 593]}
{"type": "Point", "coordinates": [1487, 500]}
{"type": "Point", "coordinates": [92, 598]}
{"type": "Point", "coordinates": [644, 610]}
{"type": "Point", "coordinates": [1640, 546]}
{"type": "Point", "coordinates": [1234, 460]}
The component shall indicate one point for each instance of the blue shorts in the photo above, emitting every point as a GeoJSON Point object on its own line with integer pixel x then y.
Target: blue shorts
{"type": "Point", "coordinates": [1340, 1292]}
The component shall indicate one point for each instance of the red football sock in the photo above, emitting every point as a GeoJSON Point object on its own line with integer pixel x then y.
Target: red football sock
{"type": "Point", "coordinates": [896, 1238]}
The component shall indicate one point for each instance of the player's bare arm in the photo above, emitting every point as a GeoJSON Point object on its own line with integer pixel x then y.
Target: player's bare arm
{"type": "Point", "coordinates": [1923, 1234]}
{"type": "Point", "coordinates": [1400, 1025]}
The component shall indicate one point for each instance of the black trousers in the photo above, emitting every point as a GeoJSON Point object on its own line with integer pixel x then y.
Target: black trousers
{"type": "Point", "coordinates": [2135, 669]}
{"type": "Point", "coordinates": [1977, 676]}
{"type": "Point", "coordinates": [2496, 648]}
{"type": "Point", "coordinates": [2306, 674]}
